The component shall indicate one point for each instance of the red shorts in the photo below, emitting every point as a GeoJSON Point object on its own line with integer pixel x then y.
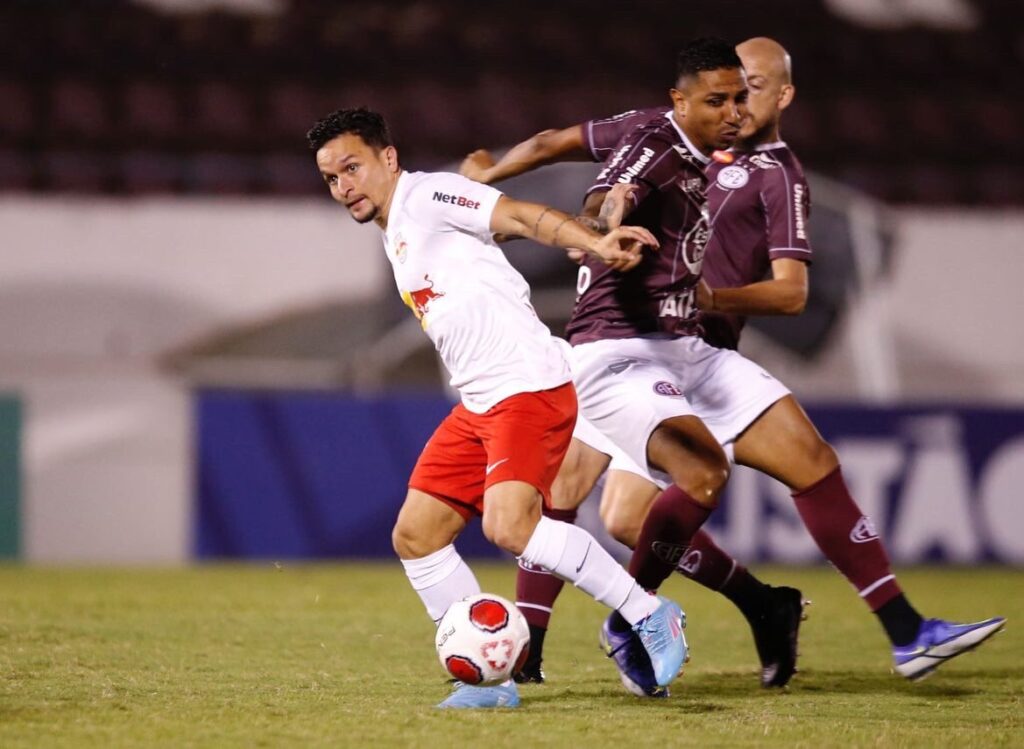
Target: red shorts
{"type": "Point", "coordinates": [522, 438]}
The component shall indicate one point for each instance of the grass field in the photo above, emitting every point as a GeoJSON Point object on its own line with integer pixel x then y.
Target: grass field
{"type": "Point", "coordinates": [342, 656]}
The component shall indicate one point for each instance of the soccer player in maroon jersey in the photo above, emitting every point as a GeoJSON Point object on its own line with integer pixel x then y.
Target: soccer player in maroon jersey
{"type": "Point", "coordinates": [759, 202]}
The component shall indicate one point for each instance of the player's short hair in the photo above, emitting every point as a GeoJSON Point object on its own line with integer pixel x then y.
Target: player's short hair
{"type": "Point", "coordinates": [367, 124]}
{"type": "Point", "coordinates": [706, 53]}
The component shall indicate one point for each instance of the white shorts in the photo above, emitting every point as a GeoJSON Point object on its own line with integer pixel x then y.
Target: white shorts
{"type": "Point", "coordinates": [627, 386]}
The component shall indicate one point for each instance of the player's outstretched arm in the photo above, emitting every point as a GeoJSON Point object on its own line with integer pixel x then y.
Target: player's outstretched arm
{"type": "Point", "coordinates": [546, 147]}
{"type": "Point", "coordinates": [784, 294]}
{"type": "Point", "coordinates": [621, 248]}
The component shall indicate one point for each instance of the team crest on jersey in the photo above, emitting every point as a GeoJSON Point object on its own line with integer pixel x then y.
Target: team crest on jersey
{"type": "Point", "coordinates": [664, 387]}
{"type": "Point", "coordinates": [733, 177]}
{"type": "Point", "coordinates": [401, 249]}
{"type": "Point", "coordinates": [723, 157]}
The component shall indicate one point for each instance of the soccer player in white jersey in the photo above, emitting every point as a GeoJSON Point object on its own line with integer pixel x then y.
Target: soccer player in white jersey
{"type": "Point", "coordinates": [498, 451]}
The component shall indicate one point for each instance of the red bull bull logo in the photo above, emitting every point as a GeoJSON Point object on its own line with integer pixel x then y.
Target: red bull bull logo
{"type": "Point", "coordinates": [419, 300]}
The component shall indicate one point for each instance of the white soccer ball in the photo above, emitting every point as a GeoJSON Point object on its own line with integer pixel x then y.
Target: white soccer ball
{"type": "Point", "coordinates": [482, 640]}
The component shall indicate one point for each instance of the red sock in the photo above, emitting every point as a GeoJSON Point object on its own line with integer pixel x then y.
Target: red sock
{"type": "Point", "coordinates": [666, 533]}
{"type": "Point", "coordinates": [536, 588]}
{"type": "Point", "coordinates": [847, 538]}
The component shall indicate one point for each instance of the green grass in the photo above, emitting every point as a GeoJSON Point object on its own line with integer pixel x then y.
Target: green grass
{"type": "Point", "coordinates": [342, 656]}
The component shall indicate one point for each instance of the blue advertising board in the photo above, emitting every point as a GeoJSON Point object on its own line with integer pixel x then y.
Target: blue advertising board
{"type": "Point", "coordinates": [312, 476]}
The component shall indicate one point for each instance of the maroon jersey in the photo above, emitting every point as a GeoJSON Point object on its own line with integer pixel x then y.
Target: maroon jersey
{"type": "Point", "coordinates": [602, 136]}
{"type": "Point", "coordinates": [759, 203]}
{"type": "Point", "coordinates": [658, 295]}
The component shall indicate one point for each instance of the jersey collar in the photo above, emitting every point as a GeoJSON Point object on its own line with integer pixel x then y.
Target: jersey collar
{"type": "Point", "coordinates": [770, 146]}
{"type": "Point", "coordinates": [686, 141]}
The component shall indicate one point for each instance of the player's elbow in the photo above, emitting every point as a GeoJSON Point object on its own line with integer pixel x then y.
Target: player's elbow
{"type": "Point", "coordinates": [796, 305]}
{"type": "Point", "coordinates": [794, 302]}
{"type": "Point", "coordinates": [545, 145]}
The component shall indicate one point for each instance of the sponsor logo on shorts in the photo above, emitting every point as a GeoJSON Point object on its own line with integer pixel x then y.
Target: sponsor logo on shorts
{"type": "Point", "coordinates": [863, 531]}
{"type": "Point", "coordinates": [459, 200]}
{"type": "Point", "coordinates": [732, 177]}
{"type": "Point", "coordinates": [664, 387]}
{"type": "Point", "coordinates": [494, 465]}
{"type": "Point", "coordinates": [669, 553]}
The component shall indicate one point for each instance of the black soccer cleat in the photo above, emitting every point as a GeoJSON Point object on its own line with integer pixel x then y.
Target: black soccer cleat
{"type": "Point", "coordinates": [776, 630]}
{"type": "Point", "coordinates": [531, 673]}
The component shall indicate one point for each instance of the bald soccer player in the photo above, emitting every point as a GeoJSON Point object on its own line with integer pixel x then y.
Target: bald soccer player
{"type": "Point", "coordinates": [759, 202]}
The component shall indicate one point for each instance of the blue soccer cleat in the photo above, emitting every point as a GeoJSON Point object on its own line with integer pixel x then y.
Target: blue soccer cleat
{"type": "Point", "coordinates": [662, 636]}
{"type": "Point", "coordinates": [937, 641]}
{"type": "Point", "coordinates": [631, 659]}
{"type": "Point", "coordinates": [468, 696]}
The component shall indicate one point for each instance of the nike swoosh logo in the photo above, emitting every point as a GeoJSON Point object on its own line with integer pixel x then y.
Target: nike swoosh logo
{"type": "Point", "coordinates": [494, 465]}
{"type": "Point", "coordinates": [583, 561]}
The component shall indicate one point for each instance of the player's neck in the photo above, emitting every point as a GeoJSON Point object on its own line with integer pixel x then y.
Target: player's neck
{"type": "Point", "coordinates": [385, 209]}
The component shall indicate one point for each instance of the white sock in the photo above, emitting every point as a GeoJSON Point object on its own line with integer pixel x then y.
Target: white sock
{"type": "Point", "coordinates": [441, 579]}
{"type": "Point", "coordinates": [571, 553]}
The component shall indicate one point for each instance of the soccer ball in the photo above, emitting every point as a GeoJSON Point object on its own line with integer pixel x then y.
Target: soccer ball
{"type": "Point", "coordinates": [482, 640]}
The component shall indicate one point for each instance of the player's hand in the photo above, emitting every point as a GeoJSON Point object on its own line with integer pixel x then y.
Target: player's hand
{"type": "Point", "coordinates": [613, 209]}
{"type": "Point", "coordinates": [705, 296]}
{"type": "Point", "coordinates": [576, 254]}
{"type": "Point", "coordinates": [622, 248]}
{"type": "Point", "coordinates": [477, 166]}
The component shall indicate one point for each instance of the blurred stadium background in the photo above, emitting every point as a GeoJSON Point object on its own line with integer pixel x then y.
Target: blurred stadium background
{"type": "Point", "coordinates": [202, 357]}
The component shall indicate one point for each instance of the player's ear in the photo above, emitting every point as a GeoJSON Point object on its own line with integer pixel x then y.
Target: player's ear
{"type": "Point", "coordinates": [391, 158]}
{"type": "Point", "coordinates": [678, 101]}
{"type": "Point", "coordinates": [786, 94]}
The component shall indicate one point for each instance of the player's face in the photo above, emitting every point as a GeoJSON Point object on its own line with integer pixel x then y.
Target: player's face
{"type": "Point", "coordinates": [712, 107]}
{"type": "Point", "coordinates": [359, 176]}
{"type": "Point", "coordinates": [768, 93]}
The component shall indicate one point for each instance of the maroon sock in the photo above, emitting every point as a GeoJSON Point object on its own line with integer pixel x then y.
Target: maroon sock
{"type": "Point", "coordinates": [847, 538]}
{"type": "Point", "coordinates": [536, 588]}
{"type": "Point", "coordinates": [670, 525]}
{"type": "Point", "coordinates": [706, 563]}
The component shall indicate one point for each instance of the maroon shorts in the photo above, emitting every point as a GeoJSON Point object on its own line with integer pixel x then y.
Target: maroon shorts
{"type": "Point", "coordinates": [522, 438]}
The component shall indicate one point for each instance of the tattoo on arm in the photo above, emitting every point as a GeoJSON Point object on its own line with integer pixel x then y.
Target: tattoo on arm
{"type": "Point", "coordinates": [598, 225]}
{"type": "Point", "coordinates": [536, 224]}
{"type": "Point", "coordinates": [608, 209]}
{"type": "Point", "coordinates": [559, 228]}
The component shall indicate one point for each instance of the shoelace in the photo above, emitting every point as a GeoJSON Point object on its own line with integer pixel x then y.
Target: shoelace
{"type": "Point", "coordinates": [653, 637]}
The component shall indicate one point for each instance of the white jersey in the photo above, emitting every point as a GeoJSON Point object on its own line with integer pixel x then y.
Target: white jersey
{"type": "Point", "coordinates": [471, 302]}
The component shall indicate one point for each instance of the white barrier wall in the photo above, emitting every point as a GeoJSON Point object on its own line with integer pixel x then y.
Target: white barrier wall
{"type": "Point", "coordinates": [91, 291]}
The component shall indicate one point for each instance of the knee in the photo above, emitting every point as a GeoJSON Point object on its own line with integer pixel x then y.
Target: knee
{"type": "Point", "coordinates": [621, 524]}
{"type": "Point", "coordinates": [406, 543]}
{"type": "Point", "coordinates": [507, 531]}
{"type": "Point", "coordinates": [822, 456]}
{"type": "Point", "coordinates": [705, 483]}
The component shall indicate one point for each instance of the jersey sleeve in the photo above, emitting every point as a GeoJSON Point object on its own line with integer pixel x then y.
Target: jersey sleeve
{"type": "Point", "coordinates": [601, 136]}
{"type": "Point", "coordinates": [787, 204]}
{"type": "Point", "coordinates": [646, 158]}
{"type": "Point", "coordinates": [451, 202]}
